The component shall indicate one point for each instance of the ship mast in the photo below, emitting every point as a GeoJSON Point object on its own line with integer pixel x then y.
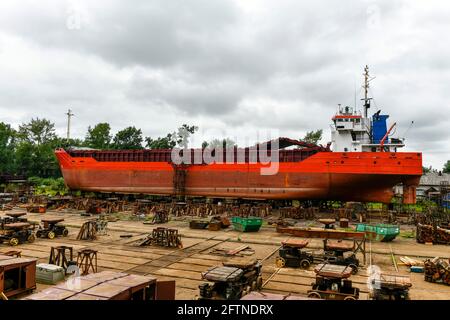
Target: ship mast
{"type": "Point", "coordinates": [366, 90]}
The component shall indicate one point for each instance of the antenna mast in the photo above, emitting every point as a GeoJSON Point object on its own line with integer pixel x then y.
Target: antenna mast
{"type": "Point", "coordinates": [69, 115]}
{"type": "Point", "coordinates": [366, 90]}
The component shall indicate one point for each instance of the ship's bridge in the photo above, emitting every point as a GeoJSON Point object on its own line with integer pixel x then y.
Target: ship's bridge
{"type": "Point", "coordinates": [351, 132]}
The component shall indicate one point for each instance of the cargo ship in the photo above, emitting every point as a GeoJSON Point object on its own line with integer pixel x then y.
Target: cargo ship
{"type": "Point", "coordinates": [361, 163]}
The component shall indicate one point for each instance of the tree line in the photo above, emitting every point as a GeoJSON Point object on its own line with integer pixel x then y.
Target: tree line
{"type": "Point", "coordinates": [29, 150]}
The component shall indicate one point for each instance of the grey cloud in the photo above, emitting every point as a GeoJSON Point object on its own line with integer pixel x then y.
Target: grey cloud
{"type": "Point", "coordinates": [242, 65]}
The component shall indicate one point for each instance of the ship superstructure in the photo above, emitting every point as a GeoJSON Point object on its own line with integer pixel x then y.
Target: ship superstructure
{"type": "Point", "coordinates": [356, 132]}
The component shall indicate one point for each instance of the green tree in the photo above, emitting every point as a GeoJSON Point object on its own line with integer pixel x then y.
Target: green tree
{"type": "Point", "coordinates": [313, 136]}
{"type": "Point", "coordinates": [128, 138]}
{"type": "Point", "coordinates": [180, 138]}
{"type": "Point", "coordinates": [7, 148]}
{"type": "Point", "coordinates": [221, 143]}
{"type": "Point", "coordinates": [429, 169]}
{"type": "Point", "coordinates": [99, 137]}
{"type": "Point", "coordinates": [166, 142]}
{"type": "Point", "coordinates": [36, 142]}
{"type": "Point", "coordinates": [37, 131]}
{"type": "Point", "coordinates": [67, 144]}
{"type": "Point", "coordinates": [447, 167]}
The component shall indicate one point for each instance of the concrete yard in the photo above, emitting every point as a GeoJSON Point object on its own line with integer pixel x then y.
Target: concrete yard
{"type": "Point", "coordinates": [185, 265]}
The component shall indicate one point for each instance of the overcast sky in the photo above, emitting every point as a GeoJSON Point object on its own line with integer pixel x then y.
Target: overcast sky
{"type": "Point", "coordinates": [233, 68]}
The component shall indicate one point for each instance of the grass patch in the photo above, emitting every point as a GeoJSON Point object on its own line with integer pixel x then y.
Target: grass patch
{"type": "Point", "coordinates": [408, 234]}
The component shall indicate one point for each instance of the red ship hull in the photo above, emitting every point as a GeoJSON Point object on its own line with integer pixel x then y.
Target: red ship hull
{"type": "Point", "coordinates": [345, 176]}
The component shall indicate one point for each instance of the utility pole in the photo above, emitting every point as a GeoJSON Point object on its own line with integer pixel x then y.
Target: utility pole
{"type": "Point", "coordinates": [69, 115]}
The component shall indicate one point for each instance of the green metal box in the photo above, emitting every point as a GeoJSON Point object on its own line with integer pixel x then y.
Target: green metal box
{"type": "Point", "coordinates": [381, 232]}
{"type": "Point", "coordinates": [249, 224]}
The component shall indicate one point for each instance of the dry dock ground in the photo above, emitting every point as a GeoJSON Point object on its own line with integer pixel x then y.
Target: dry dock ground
{"type": "Point", "coordinates": [185, 265]}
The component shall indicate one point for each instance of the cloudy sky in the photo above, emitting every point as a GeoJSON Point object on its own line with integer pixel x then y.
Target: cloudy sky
{"type": "Point", "coordinates": [232, 67]}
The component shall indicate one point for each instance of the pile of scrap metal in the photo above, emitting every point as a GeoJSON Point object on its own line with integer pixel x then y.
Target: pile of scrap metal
{"type": "Point", "coordinates": [247, 210]}
{"type": "Point", "coordinates": [163, 237]}
{"type": "Point", "coordinates": [179, 209]}
{"type": "Point", "coordinates": [58, 202]}
{"type": "Point", "coordinates": [298, 212]}
{"type": "Point", "coordinates": [146, 207]}
{"type": "Point", "coordinates": [437, 270]}
{"type": "Point", "coordinates": [160, 216]}
{"type": "Point", "coordinates": [433, 234]}
{"type": "Point", "coordinates": [89, 205]}
{"type": "Point", "coordinates": [215, 223]}
{"type": "Point", "coordinates": [235, 279]}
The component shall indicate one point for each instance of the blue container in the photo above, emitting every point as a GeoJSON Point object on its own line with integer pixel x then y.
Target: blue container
{"type": "Point", "coordinates": [416, 269]}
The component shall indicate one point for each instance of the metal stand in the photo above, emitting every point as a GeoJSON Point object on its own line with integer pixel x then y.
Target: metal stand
{"type": "Point", "coordinates": [61, 256]}
{"type": "Point", "coordinates": [87, 260]}
{"type": "Point", "coordinates": [88, 231]}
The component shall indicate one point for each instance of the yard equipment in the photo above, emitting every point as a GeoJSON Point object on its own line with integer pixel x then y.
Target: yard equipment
{"type": "Point", "coordinates": [437, 270]}
{"type": "Point", "coordinates": [12, 217]}
{"type": "Point", "coordinates": [61, 256]}
{"type": "Point", "coordinates": [198, 224]}
{"type": "Point", "coordinates": [88, 231]}
{"type": "Point", "coordinates": [390, 287]}
{"type": "Point", "coordinates": [17, 275]}
{"type": "Point", "coordinates": [163, 237]}
{"type": "Point", "coordinates": [379, 232]}
{"type": "Point", "coordinates": [233, 280]}
{"type": "Point", "coordinates": [37, 208]}
{"type": "Point", "coordinates": [16, 233]}
{"type": "Point", "coordinates": [51, 227]}
{"type": "Point", "coordinates": [332, 283]}
{"type": "Point", "coordinates": [87, 260]}
{"type": "Point", "coordinates": [292, 255]}
{"type": "Point", "coordinates": [247, 224]}
{"type": "Point", "coordinates": [160, 216]}
{"type": "Point", "coordinates": [339, 253]}
{"type": "Point", "coordinates": [328, 223]}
